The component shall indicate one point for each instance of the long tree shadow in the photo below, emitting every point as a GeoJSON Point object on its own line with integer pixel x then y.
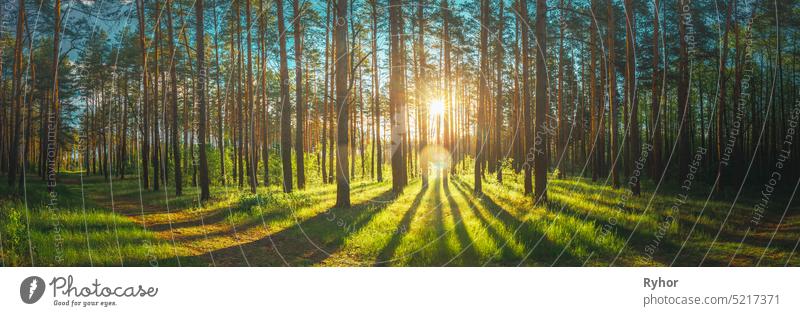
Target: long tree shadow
{"type": "Point", "coordinates": [505, 253]}
{"type": "Point", "coordinates": [308, 242]}
{"type": "Point", "coordinates": [663, 245]}
{"type": "Point", "coordinates": [507, 257]}
{"type": "Point", "coordinates": [688, 218]}
{"type": "Point", "coordinates": [468, 253]}
{"type": "Point", "coordinates": [544, 252]}
{"type": "Point", "coordinates": [386, 254]}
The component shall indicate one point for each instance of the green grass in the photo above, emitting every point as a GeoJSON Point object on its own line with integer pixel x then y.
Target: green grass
{"type": "Point", "coordinates": [437, 225]}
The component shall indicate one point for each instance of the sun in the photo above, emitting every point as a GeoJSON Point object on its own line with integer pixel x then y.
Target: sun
{"type": "Point", "coordinates": [437, 107]}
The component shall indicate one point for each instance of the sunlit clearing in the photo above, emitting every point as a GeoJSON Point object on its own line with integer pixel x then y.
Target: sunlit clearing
{"type": "Point", "coordinates": [437, 107]}
{"type": "Point", "coordinates": [438, 158]}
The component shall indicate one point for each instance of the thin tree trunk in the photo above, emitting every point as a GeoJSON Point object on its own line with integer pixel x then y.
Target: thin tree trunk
{"type": "Point", "coordinates": [300, 102]}
{"type": "Point", "coordinates": [145, 98]}
{"type": "Point", "coordinates": [499, 103]}
{"type": "Point", "coordinates": [526, 100]}
{"type": "Point", "coordinates": [55, 114]}
{"type": "Point", "coordinates": [252, 157]}
{"type": "Point", "coordinates": [483, 98]}
{"type": "Point", "coordinates": [376, 96]}
{"type": "Point", "coordinates": [540, 160]}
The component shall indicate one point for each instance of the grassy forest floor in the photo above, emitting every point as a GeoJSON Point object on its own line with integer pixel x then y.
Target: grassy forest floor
{"type": "Point", "coordinates": [111, 223]}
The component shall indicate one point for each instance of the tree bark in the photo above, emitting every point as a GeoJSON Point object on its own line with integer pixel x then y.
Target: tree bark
{"type": "Point", "coordinates": [526, 99]}
{"type": "Point", "coordinates": [376, 96]}
{"type": "Point", "coordinates": [483, 98]}
{"type": "Point", "coordinates": [342, 67]}
{"type": "Point", "coordinates": [201, 100]}
{"type": "Point", "coordinates": [397, 97]}
{"type": "Point", "coordinates": [630, 94]}
{"type": "Point", "coordinates": [540, 160]}
{"type": "Point", "coordinates": [499, 103]}
{"type": "Point", "coordinates": [612, 92]}
{"type": "Point", "coordinates": [286, 141]}
{"type": "Point", "coordinates": [300, 102]}
{"type": "Point", "coordinates": [176, 153]}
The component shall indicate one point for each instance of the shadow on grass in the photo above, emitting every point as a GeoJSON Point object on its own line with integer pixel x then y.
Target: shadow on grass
{"type": "Point", "coordinates": [468, 253]}
{"type": "Point", "coordinates": [306, 243]}
{"type": "Point", "coordinates": [545, 251]}
{"type": "Point", "coordinates": [386, 254]}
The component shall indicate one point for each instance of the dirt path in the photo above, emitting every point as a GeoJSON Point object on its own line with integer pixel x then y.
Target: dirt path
{"type": "Point", "coordinates": [189, 231]}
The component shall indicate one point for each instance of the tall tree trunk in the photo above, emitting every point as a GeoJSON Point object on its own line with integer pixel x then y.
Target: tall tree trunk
{"type": "Point", "coordinates": [286, 141]}
{"type": "Point", "coordinates": [201, 100]}
{"type": "Point", "coordinates": [630, 93]}
{"type": "Point", "coordinates": [326, 97]}
{"type": "Point", "coordinates": [300, 102]}
{"type": "Point", "coordinates": [157, 72]}
{"type": "Point", "coordinates": [721, 101]}
{"type": "Point", "coordinates": [239, 84]}
{"type": "Point", "coordinates": [499, 103]}
{"type": "Point", "coordinates": [55, 112]}
{"type": "Point", "coordinates": [220, 102]}
{"type": "Point", "coordinates": [16, 107]}
{"type": "Point", "coordinates": [397, 97]}
{"type": "Point", "coordinates": [176, 152]}
{"type": "Point", "coordinates": [124, 135]}
{"type": "Point", "coordinates": [145, 97]}
{"type": "Point", "coordinates": [655, 107]}
{"type": "Point", "coordinates": [449, 105]}
{"type": "Point", "coordinates": [265, 140]}
{"type": "Point", "coordinates": [342, 67]}
{"type": "Point", "coordinates": [483, 98]}
{"type": "Point", "coordinates": [540, 160]}
{"type": "Point", "coordinates": [594, 107]}
{"type": "Point", "coordinates": [376, 94]}
{"type": "Point", "coordinates": [526, 97]}
{"type": "Point", "coordinates": [683, 94]}
{"type": "Point", "coordinates": [252, 156]}
{"type": "Point", "coordinates": [421, 85]}
{"type": "Point", "coordinates": [560, 137]}
{"type": "Point", "coordinates": [612, 92]}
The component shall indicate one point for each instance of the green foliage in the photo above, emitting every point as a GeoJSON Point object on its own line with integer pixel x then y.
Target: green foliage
{"type": "Point", "coordinates": [12, 234]}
